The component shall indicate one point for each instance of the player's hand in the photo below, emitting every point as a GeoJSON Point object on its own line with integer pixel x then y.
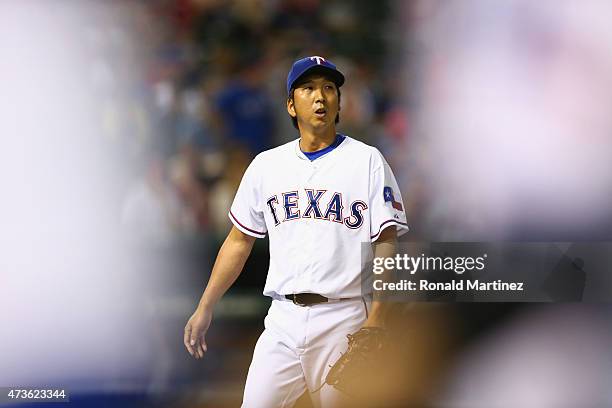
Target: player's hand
{"type": "Point", "coordinates": [195, 331]}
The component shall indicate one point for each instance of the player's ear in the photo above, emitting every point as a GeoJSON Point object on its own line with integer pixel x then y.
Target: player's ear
{"type": "Point", "coordinates": [291, 107]}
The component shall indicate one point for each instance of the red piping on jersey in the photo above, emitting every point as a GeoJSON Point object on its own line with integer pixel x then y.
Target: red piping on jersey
{"type": "Point", "coordinates": [386, 222]}
{"type": "Point", "coordinates": [246, 228]}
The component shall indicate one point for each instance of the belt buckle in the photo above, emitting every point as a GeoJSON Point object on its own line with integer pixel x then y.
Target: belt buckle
{"type": "Point", "coordinates": [297, 302]}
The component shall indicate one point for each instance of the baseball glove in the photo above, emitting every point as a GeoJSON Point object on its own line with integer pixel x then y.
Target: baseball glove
{"type": "Point", "coordinates": [363, 359]}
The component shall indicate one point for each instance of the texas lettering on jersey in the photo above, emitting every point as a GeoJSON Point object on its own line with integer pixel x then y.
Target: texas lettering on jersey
{"type": "Point", "coordinates": [319, 204]}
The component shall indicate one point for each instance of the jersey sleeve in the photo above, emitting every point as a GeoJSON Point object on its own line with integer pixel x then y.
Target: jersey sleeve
{"type": "Point", "coordinates": [246, 212]}
{"type": "Point", "coordinates": [386, 205]}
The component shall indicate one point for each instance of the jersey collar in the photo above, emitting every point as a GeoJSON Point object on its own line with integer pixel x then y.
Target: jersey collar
{"type": "Point", "coordinates": [301, 155]}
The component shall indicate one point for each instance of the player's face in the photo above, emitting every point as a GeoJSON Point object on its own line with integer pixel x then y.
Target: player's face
{"type": "Point", "coordinates": [315, 103]}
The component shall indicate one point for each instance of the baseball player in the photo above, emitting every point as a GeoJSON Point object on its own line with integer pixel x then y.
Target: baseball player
{"type": "Point", "coordinates": [319, 198]}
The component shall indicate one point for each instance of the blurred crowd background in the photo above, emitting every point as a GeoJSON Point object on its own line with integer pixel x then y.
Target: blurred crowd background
{"type": "Point", "coordinates": [193, 90]}
{"type": "Point", "coordinates": [127, 125]}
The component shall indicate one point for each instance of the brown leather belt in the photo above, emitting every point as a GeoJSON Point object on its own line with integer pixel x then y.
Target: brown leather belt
{"type": "Point", "coordinates": [309, 299]}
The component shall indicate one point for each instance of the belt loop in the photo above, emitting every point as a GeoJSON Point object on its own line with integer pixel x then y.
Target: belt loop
{"type": "Point", "coordinates": [296, 302]}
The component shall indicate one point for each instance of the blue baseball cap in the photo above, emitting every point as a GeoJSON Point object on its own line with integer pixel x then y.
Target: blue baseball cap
{"type": "Point", "coordinates": [313, 64]}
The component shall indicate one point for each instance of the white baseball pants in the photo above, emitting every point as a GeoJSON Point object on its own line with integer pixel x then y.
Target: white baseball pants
{"type": "Point", "coordinates": [296, 350]}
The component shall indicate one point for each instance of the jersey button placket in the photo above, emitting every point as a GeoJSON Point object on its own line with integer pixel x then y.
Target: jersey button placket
{"type": "Point", "coordinates": [309, 247]}
{"type": "Point", "coordinates": [307, 226]}
{"type": "Point", "coordinates": [312, 170]}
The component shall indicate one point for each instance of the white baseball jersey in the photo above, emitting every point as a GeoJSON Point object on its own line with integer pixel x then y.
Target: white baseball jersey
{"type": "Point", "coordinates": [317, 214]}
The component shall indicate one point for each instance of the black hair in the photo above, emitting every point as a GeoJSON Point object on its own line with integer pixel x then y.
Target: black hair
{"type": "Point", "coordinates": [290, 98]}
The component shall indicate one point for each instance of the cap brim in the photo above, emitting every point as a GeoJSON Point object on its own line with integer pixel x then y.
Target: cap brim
{"type": "Point", "coordinates": [336, 76]}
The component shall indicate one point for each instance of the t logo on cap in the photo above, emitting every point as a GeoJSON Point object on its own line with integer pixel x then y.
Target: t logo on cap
{"type": "Point", "coordinates": [318, 59]}
{"type": "Point", "coordinates": [313, 64]}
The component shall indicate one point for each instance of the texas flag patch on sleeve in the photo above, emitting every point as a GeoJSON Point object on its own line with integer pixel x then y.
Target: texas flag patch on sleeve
{"type": "Point", "coordinates": [389, 197]}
